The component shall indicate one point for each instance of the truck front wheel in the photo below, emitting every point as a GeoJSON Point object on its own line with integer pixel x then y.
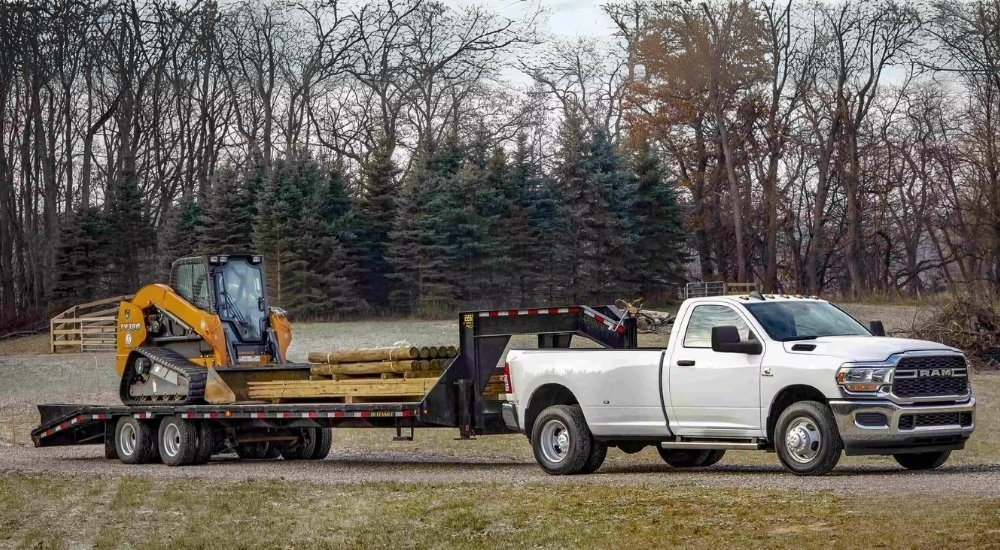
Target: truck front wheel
{"type": "Point", "coordinates": [561, 440]}
{"type": "Point", "coordinates": [807, 439]}
{"type": "Point", "coordinates": [922, 461]}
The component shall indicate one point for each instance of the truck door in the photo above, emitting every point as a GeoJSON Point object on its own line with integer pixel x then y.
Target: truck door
{"type": "Point", "coordinates": [714, 394]}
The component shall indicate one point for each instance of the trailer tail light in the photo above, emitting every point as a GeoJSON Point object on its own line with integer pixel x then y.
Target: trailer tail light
{"type": "Point", "coordinates": [506, 379]}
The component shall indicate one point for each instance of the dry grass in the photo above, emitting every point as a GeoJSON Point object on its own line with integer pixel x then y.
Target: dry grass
{"type": "Point", "coordinates": [59, 512]}
{"type": "Point", "coordinates": [25, 345]}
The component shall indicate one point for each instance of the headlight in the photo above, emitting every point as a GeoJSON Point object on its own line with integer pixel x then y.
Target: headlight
{"type": "Point", "coordinates": [864, 379]}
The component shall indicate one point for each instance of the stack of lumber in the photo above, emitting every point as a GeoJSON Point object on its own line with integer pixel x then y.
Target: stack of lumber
{"type": "Point", "coordinates": [401, 373]}
{"type": "Point", "coordinates": [384, 363]}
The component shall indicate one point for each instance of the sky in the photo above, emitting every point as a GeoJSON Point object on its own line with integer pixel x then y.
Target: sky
{"type": "Point", "coordinates": [565, 17]}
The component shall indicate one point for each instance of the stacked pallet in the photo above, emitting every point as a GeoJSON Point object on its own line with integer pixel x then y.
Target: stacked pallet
{"type": "Point", "coordinates": [401, 373]}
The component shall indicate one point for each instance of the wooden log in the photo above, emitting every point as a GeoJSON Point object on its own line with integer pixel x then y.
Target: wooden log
{"type": "Point", "coordinates": [427, 352]}
{"type": "Point", "coordinates": [391, 375]}
{"type": "Point", "coordinates": [308, 389]}
{"type": "Point", "coordinates": [364, 355]}
{"type": "Point", "coordinates": [451, 351]}
{"type": "Point", "coordinates": [431, 373]}
{"type": "Point", "coordinates": [370, 367]}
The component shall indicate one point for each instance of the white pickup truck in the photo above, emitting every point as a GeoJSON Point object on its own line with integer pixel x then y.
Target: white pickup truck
{"type": "Point", "coordinates": [797, 376]}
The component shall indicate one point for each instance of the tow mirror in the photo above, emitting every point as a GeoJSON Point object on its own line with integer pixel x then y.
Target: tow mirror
{"type": "Point", "coordinates": [726, 339]}
{"type": "Point", "coordinates": [876, 328]}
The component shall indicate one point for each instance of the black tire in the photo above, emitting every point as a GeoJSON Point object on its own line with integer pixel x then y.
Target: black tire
{"type": "Point", "coordinates": [598, 452]}
{"type": "Point", "coordinates": [561, 440]}
{"type": "Point", "coordinates": [178, 441]}
{"type": "Point", "coordinates": [684, 458]}
{"type": "Point", "coordinates": [253, 451]}
{"type": "Point", "coordinates": [207, 442]}
{"type": "Point", "coordinates": [324, 440]}
{"type": "Point", "coordinates": [134, 441]}
{"type": "Point", "coordinates": [922, 461]}
{"type": "Point", "coordinates": [817, 442]}
{"type": "Point", "coordinates": [713, 458]}
{"type": "Point", "coordinates": [303, 448]}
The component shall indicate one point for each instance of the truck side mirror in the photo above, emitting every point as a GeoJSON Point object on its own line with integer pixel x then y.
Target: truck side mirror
{"type": "Point", "coordinates": [876, 328]}
{"type": "Point", "coordinates": [726, 339]}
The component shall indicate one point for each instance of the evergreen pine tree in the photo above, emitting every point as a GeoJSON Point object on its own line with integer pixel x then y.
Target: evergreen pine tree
{"type": "Point", "coordinates": [378, 209]}
{"type": "Point", "coordinates": [329, 259]}
{"type": "Point", "coordinates": [607, 172]}
{"type": "Point", "coordinates": [532, 230]}
{"type": "Point", "coordinates": [443, 230]}
{"type": "Point", "coordinates": [659, 253]}
{"type": "Point", "coordinates": [81, 258]}
{"type": "Point", "coordinates": [226, 223]}
{"type": "Point", "coordinates": [131, 252]}
{"type": "Point", "coordinates": [589, 212]}
{"type": "Point", "coordinates": [179, 234]}
{"type": "Point", "coordinates": [551, 242]}
{"type": "Point", "coordinates": [406, 243]}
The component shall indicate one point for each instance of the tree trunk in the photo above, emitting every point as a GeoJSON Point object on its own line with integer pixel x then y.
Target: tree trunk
{"type": "Point", "coordinates": [771, 228]}
{"type": "Point", "coordinates": [734, 191]}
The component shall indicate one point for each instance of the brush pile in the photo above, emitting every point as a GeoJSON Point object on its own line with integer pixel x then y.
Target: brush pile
{"type": "Point", "coordinates": [969, 324]}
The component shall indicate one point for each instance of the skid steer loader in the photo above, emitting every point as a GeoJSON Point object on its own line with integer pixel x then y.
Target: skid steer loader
{"type": "Point", "coordinates": [204, 336]}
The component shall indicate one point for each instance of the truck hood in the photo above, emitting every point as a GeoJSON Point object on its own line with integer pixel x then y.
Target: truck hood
{"type": "Point", "coordinates": [863, 348]}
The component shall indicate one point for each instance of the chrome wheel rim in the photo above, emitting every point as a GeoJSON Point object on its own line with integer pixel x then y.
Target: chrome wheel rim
{"type": "Point", "coordinates": [555, 441]}
{"type": "Point", "coordinates": [803, 440]}
{"type": "Point", "coordinates": [171, 439]}
{"type": "Point", "coordinates": [126, 439]}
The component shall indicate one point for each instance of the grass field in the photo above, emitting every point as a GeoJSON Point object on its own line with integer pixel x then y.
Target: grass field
{"type": "Point", "coordinates": [59, 511]}
{"type": "Point", "coordinates": [134, 513]}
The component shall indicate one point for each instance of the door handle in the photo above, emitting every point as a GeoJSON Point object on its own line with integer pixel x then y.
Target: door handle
{"type": "Point", "coordinates": [685, 363]}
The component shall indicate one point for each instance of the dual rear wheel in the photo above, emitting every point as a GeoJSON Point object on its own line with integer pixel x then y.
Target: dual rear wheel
{"type": "Point", "coordinates": [179, 442]}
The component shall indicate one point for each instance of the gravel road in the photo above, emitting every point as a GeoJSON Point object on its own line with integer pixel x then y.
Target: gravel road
{"type": "Point", "coordinates": [353, 466]}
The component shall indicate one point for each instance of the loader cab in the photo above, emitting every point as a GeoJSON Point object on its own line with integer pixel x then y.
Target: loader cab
{"type": "Point", "coordinates": [232, 287]}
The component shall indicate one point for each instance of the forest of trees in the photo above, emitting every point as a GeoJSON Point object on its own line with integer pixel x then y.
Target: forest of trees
{"type": "Point", "coordinates": [411, 157]}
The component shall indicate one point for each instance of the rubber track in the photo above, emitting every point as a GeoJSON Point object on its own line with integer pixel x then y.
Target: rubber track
{"type": "Point", "coordinates": [196, 376]}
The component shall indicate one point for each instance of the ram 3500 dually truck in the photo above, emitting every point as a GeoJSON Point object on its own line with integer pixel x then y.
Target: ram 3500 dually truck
{"type": "Point", "coordinates": [797, 376]}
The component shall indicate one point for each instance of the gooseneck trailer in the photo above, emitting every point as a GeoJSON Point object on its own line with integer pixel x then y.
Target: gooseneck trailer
{"type": "Point", "coordinates": [193, 432]}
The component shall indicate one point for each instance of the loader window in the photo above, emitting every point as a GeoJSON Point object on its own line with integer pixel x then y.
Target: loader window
{"type": "Point", "coordinates": [190, 281]}
{"type": "Point", "coordinates": [241, 299]}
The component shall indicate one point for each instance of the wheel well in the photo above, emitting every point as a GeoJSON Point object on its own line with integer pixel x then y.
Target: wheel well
{"type": "Point", "coordinates": [787, 397]}
{"type": "Point", "coordinates": [543, 397]}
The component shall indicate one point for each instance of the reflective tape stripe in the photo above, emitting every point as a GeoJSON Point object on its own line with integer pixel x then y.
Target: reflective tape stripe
{"type": "Point", "coordinates": [617, 327]}
{"type": "Point", "coordinates": [519, 312]}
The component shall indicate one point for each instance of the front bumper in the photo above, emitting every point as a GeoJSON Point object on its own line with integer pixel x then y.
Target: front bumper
{"type": "Point", "coordinates": [863, 437]}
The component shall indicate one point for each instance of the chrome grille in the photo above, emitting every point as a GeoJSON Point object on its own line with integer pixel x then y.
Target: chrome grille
{"type": "Point", "coordinates": [931, 376]}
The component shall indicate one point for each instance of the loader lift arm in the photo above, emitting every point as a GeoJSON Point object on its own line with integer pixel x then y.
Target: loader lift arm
{"type": "Point", "coordinates": [132, 334]}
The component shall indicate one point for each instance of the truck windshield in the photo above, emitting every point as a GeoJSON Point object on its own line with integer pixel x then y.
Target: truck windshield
{"type": "Point", "coordinates": [786, 321]}
{"type": "Point", "coordinates": [241, 293]}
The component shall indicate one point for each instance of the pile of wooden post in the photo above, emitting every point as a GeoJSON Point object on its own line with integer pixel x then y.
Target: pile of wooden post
{"type": "Point", "coordinates": [385, 363]}
{"type": "Point", "coordinates": [402, 373]}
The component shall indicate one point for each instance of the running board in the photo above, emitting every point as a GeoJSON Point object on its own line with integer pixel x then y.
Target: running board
{"type": "Point", "coordinates": [713, 444]}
